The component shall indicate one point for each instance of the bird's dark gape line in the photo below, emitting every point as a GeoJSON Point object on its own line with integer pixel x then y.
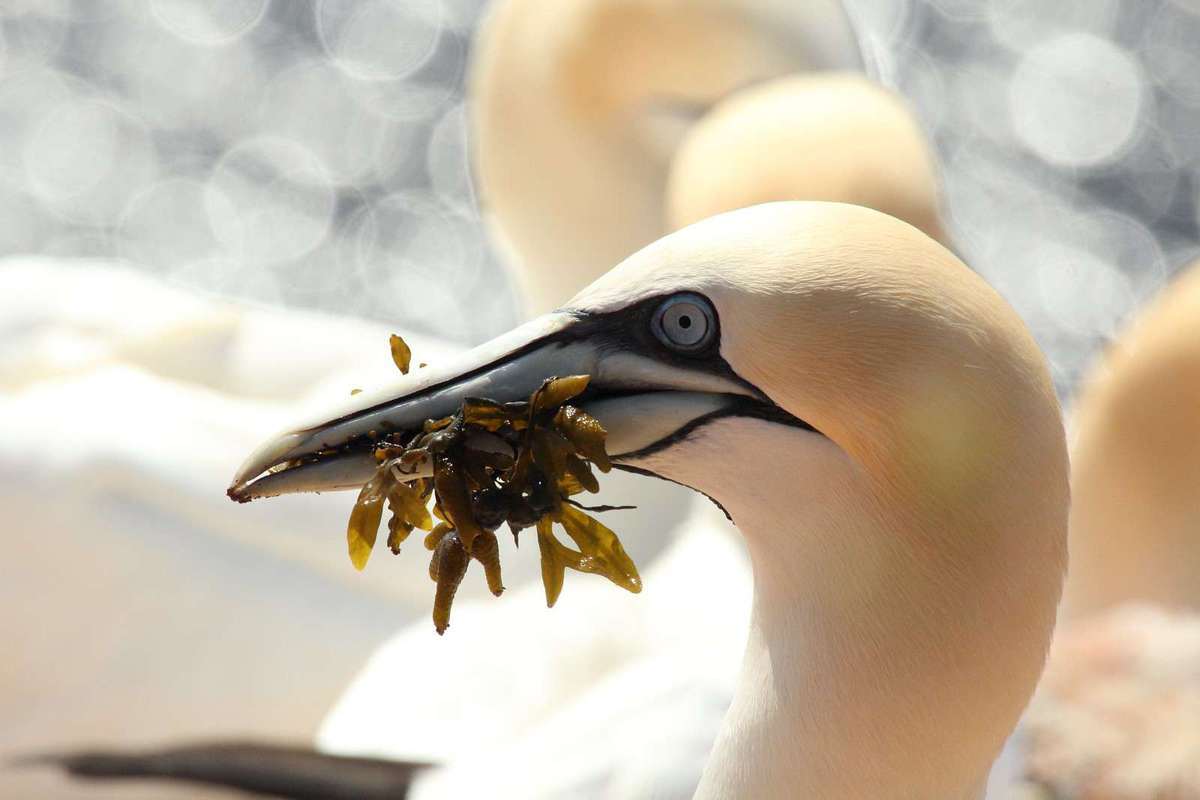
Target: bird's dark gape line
{"type": "Point", "coordinates": [623, 329]}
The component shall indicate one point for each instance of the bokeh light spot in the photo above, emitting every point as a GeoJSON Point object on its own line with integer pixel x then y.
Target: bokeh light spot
{"type": "Point", "coordinates": [34, 32]}
{"type": "Point", "coordinates": [71, 150]}
{"type": "Point", "coordinates": [212, 22]}
{"type": "Point", "coordinates": [379, 39]}
{"type": "Point", "coordinates": [448, 161]}
{"type": "Point", "coordinates": [1077, 100]}
{"type": "Point", "coordinates": [166, 225]}
{"type": "Point", "coordinates": [311, 104]}
{"type": "Point", "coordinates": [422, 94]}
{"type": "Point", "coordinates": [85, 158]}
{"type": "Point", "coordinates": [1087, 295]}
{"type": "Point", "coordinates": [423, 257]}
{"type": "Point", "coordinates": [1020, 24]}
{"type": "Point", "coordinates": [269, 200]}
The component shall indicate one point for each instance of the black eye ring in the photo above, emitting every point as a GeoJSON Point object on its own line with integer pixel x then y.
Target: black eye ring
{"type": "Point", "coordinates": [685, 322]}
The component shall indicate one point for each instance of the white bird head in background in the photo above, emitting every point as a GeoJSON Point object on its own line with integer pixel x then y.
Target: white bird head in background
{"type": "Point", "coordinates": [577, 107]}
{"type": "Point", "coordinates": [835, 136]}
{"type": "Point", "coordinates": [881, 428]}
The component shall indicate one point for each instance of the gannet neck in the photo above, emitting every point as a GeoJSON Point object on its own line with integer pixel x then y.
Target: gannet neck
{"type": "Point", "coordinates": [876, 666]}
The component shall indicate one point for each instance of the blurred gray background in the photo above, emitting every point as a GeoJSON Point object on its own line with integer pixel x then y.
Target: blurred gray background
{"type": "Point", "coordinates": [313, 153]}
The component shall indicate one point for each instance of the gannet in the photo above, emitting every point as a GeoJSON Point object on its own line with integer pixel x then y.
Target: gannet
{"type": "Point", "coordinates": [1116, 711]}
{"type": "Point", "coordinates": [828, 135]}
{"type": "Point", "coordinates": [884, 434]}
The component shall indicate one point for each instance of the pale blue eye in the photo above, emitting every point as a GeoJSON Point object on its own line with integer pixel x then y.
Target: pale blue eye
{"type": "Point", "coordinates": [685, 322]}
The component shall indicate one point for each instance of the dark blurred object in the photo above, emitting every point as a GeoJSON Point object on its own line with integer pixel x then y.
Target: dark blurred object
{"type": "Point", "coordinates": [273, 771]}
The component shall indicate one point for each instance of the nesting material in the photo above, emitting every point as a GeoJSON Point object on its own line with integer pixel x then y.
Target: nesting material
{"type": "Point", "coordinates": [493, 463]}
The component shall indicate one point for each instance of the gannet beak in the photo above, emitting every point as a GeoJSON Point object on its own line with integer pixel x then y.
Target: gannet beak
{"type": "Point", "coordinates": [642, 397]}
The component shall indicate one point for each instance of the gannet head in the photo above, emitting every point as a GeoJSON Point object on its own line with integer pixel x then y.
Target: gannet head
{"type": "Point", "coordinates": [578, 105]}
{"type": "Point", "coordinates": [877, 422]}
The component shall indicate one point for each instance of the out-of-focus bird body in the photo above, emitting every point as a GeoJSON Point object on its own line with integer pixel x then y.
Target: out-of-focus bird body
{"type": "Point", "coordinates": [1136, 476]}
{"type": "Point", "coordinates": [818, 136]}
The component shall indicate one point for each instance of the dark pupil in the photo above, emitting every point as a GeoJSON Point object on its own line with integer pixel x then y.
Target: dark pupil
{"type": "Point", "coordinates": [685, 322]}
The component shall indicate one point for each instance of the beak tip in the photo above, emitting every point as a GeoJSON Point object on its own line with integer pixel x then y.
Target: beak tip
{"type": "Point", "coordinates": [263, 458]}
{"type": "Point", "coordinates": [236, 493]}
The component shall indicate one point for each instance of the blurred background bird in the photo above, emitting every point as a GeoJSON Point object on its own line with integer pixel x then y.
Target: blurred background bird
{"type": "Point", "coordinates": [319, 156]}
{"type": "Point", "coordinates": [579, 110]}
{"type": "Point", "coordinates": [1118, 714]}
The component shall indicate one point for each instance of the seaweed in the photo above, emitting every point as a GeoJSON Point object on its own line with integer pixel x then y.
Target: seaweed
{"type": "Point", "coordinates": [513, 463]}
